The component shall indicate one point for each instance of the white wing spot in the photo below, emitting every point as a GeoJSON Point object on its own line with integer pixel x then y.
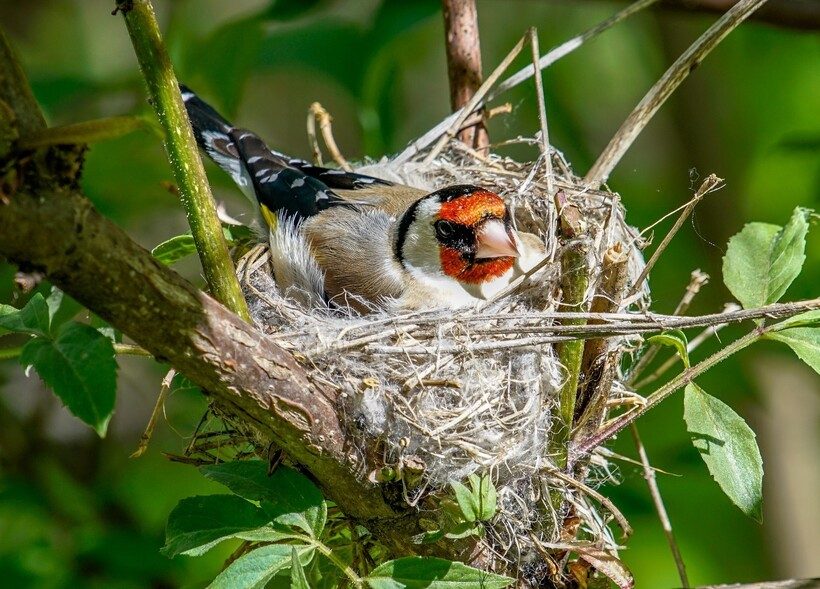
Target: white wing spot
{"type": "Point", "coordinates": [297, 183]}
{"type": "Point", "coordinates": [254, 159]}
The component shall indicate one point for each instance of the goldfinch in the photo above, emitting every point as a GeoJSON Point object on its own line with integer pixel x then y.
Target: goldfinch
{"type": "Point", "coordinates": [346, 239]}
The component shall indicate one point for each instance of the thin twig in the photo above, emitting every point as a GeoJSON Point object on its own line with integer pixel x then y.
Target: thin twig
{"type": "Point", "coordinates": [796, 14]}
{"type": "Point", "coordinates": [657, 499]}
{"type": "Point", "coordinates": [711, 184]}
{"type": "Point", "coordinates": [675, 358]}
{"type": "Point", "coordinates": [132, 350]}
{"type": "Point", "coordinates": [85, 132]}
{"type": "Point", "coordinates": [461, 115]}
{"type": "Point", "coordinates": [542, 114]}
{"type": "Point", "coordinates": [463, 46]}
{"type": "Point", "coordinates": [619, 423]}
{"type": "Point", "coordinates": [145, 438]}
{"type": "Point", "coordinates": [696, 281]}
{"type": "Point", "coordinates": [522, 75]}
{"type": "Point", "coordinates": [616, 513]}
{"type": "Point", "coordinates": [325, 127]}
{"type": "Point", "coordinates": [663, 88]}
{"type": "Point", "coordinates": [312, 139]}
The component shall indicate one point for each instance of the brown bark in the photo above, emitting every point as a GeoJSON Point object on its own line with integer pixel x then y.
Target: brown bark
{"type": "Point", "coordinates": [464, 62]}
{"type": "Point", "coordinates": [48, 226]}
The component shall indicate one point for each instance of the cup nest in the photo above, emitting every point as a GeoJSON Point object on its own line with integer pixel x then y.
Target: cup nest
{"type": "Point", "coordinates": [433, 396]}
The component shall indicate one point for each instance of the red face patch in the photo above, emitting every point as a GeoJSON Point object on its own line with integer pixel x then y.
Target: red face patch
{"type": "Point", "coordinates": [472, 208]}
{"type": "Point", "coordinates": [455, 266]}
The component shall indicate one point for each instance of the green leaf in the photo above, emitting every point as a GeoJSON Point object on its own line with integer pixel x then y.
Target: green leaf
{"type": "Point", "coordinates": [804, 341]}
{"type": "Point", "coordinates": [61, 308]}
{"type": "Point", "coordinates": [298, 580]}
{"type": "Point", "coordinates": [236, 233]}
{"type": "Point", "coordinates": [197, 524]}
{"type": "Point", "coordinates": [256, 568]}
{"type": "Point", "coordinates": [174, 249]}
{"type": "Point", "coordinates": [674, 339]}
{"type": "Point", "coordinates": [486, 495]}
{"type": "Point", "coordinates": [287, 496]}
{"type": "Point", "coordinates": [728, 447]}
{"type": "Point", "coordinates": [80, 367]}
{"type": "Point", "coordinates": [762, 260]}
{"type": "Point", "coordinates": [466, 501]}
{"type": "Point", "coordinates": [33, 318]}
{"type": "Point", "coordinates": [417, 572]}
{"type": "Point", "coordinates": [461, 530]}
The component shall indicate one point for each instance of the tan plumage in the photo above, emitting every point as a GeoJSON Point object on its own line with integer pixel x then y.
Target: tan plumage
{"type": "Point", "coordinates": [356, 240]}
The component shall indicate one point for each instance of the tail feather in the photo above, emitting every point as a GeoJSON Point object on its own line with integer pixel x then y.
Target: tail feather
{"type": "Point", "coordinates": [273, 180]}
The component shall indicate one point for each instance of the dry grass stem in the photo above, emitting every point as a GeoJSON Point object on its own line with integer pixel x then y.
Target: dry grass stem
{"type": "Point", "coordinates": [663, 88]}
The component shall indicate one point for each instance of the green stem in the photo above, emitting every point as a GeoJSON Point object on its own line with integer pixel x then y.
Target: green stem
{"type": "Point", "coordinates": [680, 381]}
{"type": "Point", "coordinates": [346, 569]}
{"type": "Point", "coordinates": [9, 353]}
{"type": "Point", "coordinates": [570, 353]}
{"type": "Point", "coordinates": [132, 350]}
{"type": "Point", "coordinates": [186, 164]}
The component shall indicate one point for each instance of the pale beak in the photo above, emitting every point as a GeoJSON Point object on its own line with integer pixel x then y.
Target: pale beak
{"type": "Point", "coordinates": [494, 241]}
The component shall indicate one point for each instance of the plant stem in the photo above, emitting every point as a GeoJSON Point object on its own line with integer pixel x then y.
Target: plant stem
{"type": "Point", "coordinates": [655, 492]}
{"type": "Point", "coordinates": [346, 569]}
{"type": "Point", "coordinates": [183, 156]}
{"type": "Point", "coordinates": [664, 87]}
{"type": "Point", "coordinates": [132, 350]}
{"type": "Point", "coordinates": [9, 353]}
{"type": "Point", "coordinates": [680, 381]}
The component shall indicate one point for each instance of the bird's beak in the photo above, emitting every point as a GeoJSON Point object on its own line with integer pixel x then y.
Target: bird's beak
{"type": "Point", "coordinates": [494, 241]}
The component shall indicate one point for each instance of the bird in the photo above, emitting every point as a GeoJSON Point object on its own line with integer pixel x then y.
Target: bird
{"type": "Point", "coordinates": [344, 239]}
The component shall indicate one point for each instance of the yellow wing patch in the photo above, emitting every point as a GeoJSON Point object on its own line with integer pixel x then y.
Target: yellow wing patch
{"type": "Point", "coordinates": [270, 217]}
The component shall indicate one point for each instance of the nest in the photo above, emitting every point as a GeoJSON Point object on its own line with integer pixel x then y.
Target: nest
{"type": "Point", "coordinates": [434, 396]}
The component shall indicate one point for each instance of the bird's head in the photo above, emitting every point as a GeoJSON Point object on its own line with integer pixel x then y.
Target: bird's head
{"type": "Point", "coordinates": [461, 233]}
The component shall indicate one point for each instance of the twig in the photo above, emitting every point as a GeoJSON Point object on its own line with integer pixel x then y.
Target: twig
{"type": "Point", "coordinates": [542, 114]}
{"type": "Point", "coordinates": [85, 132]}
{"type": "Point", "coordinates": [696, 280]}
{"type": "Point", "coordinates": [607, 299]}
{"type": "Point", "coordinates": [189, 173]}
{"type": "Point", "coordinates": [522, 75]}
{"type": "Point", "coordinates": [657, 499]}
{"type": "Point", "coordinates": [711, 184]}
{"type": "Point", "coordinates": [145, 438]}
{"type": "Point", "coordinates": [324, 119]}
{"type": "Point", "coordinates": [674, 358]}
{"type": "Point", "coordinates": [664, 87]}
{"type": "Point", "coordinates": [616, 513]}
{"type": "Point", "coordinates": [132, 350]}
{"type": "Point", "coordinates": [461, 115]}
{"type": "Point", "coordinates": [796, 14]}
{"type": "Point", "coordinates": [463, 46]}
{"type": "Point", "coordinates": [312, 140]}
{"type": "Point", "coordinates": [680, 381]}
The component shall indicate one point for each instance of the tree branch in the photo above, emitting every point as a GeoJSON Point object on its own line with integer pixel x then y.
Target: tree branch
{"type": "Point", "coordinates": [464, 62]}
{"type": "Point", "coordinates": [48, 226]}
{"type": "Point", "coordinates": [183, 154]}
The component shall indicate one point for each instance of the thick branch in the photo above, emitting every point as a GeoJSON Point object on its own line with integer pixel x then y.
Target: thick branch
{"type": "Point", "coordinates": [464, 62]}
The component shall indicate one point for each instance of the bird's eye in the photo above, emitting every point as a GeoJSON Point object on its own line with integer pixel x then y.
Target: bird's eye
{"type": "Point", "coordinates": [444, 229]}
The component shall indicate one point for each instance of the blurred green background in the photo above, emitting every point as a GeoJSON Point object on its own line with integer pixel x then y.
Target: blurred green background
{"type": "Point", "coordinates": [76, 511]}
